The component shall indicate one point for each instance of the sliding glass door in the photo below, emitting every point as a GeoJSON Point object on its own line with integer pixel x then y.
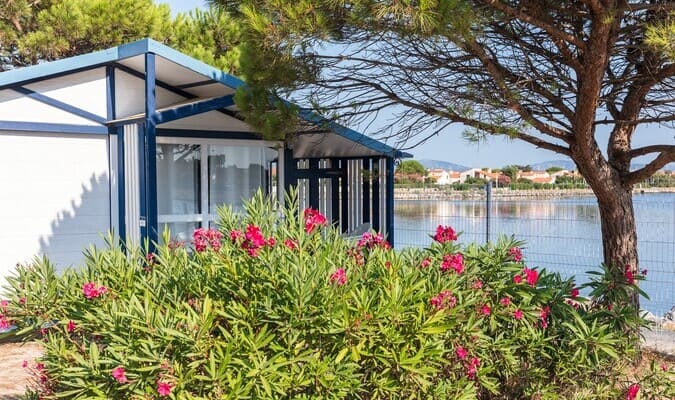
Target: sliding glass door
{"type": "Point", "coordinates": [196, 176]}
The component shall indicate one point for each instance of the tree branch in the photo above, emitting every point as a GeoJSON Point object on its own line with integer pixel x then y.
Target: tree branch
{"type": "Point", "coordinates": [648, 170]}
{"type": "Point", "coordinates": [550, 29]}
{"type": "Point", "coordinates": [641, 151]}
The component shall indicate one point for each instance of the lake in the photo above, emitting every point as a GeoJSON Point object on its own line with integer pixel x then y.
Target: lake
{"type": "Point", "coordinates": [561, 234]}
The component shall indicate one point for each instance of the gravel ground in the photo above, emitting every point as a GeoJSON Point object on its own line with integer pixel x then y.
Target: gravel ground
{"type": "Point", "coordinates": [13, 377]}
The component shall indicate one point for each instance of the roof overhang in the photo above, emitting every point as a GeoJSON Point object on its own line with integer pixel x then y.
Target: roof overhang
{"type": "Point", "coordinates": [201, 85]}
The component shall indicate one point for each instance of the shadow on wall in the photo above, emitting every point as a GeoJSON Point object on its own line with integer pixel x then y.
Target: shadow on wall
{"type": "Point", "coordinates": [85, 222]}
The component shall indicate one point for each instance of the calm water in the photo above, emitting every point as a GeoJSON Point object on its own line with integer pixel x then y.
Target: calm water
{"type": "Point", "coordinates": [560, 234]}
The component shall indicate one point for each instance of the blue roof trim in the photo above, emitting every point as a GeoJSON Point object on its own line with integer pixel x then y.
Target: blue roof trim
{"type": "Point", "coordinates": [352, 135]}
{"type": "Point", "coordinates": [115, 54]}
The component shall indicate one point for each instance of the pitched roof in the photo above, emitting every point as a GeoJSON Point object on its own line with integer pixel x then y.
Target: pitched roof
{"type": "Point", "coordinates": [194, 78]}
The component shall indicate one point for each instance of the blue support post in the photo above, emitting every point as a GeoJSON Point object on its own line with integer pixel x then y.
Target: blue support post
{"type": "Point", "coordinates": [151, 151]}
{"type": "Point", "coordinates": [314, 184]}
{"type": "Point", "coordinates": [389, 212]}
{"type": "Point", "coordinates": [344, 195]}
{"type": "Point", "coordinates": [376, 194]}
{"type": "Point", "coordinates": [289, 168]}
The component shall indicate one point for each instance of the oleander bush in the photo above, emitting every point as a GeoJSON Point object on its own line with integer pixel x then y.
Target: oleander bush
{"type": "Point", "coordinates": [275, 304]}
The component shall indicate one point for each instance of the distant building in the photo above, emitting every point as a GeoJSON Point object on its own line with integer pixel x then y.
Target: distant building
{"type": "Point", "coordinates": [536, 176]}
{"type": "Point", "coordinates": [439, 176]}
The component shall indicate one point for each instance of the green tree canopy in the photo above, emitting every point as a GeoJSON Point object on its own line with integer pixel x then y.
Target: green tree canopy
{"type": "Point", "coordinates": [411, 167]}
{"type": "Point", "coordinates": [547, 72]}
{"type": "Point", "coordinates": [33, 31]}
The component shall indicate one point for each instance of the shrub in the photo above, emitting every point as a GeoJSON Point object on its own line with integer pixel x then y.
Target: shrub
{"type": "Point", "coordinates": [276, 305]}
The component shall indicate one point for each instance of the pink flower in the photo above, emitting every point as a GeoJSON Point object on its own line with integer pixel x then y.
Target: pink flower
{"type": "Point", "coordinates": [505, 301]}
{"type": "Point", "coordinates": [461, 353]}
{"type": "Point", "coordinates": [445, 234]}
{"type": "Point", "coordinates": [203, 238]}
{"type": "Point", "coordinates": [516, 254]}
{"type": "Point", "coordinates": [518, 279]}
{"type": "Point", "coordinates": [271, 242]}
{"type": "Point", "coordinates": [454, 262]}
{"type": "Point", "coordinates": [91, 290]}
{"type": "Point", "coordinates": [444, 299]}
{"type": "Point", "coordinates": [370, 241]}
{"type": "Point", "coordinates": [478, 284]}
{"type": "Point", "coordinates": [119, 375]}
{"type": "Point", "coordinates": [518, 315]}
{"type": "Point", "coordinates": [472, 368]}
{"type": "Point", "coordinates": [22, 300]}
{"type": "Point", "coordinates": [425, 263]}
{"type": "Point", "coordinates": [339, 277]}
{"type": "Point", "coordinates": [235, 235]}
{"type": "Point", "coordinates": [664, 367]}
{"type": "Point", "coordinates": [291, 244]}
{"type": "Point", "coordinates": [313, 219]}
{"type": "Point", "coordinates": [485, 309]}
{"type": "Point", "coordinates": [24, 364]}
{"type": "Point", "coordinates": [632, 392]}
{"type": "Point", "coordinates": [164, 388]}
{"type": "Point", "coordinates": [4, 322]}
{"type": "Point", "coordinates": [4, 304]}
{"type": "Point", "coordinates": [71, 326]}
{"type": "Point", "coordinates": [630, 278]}
{"type": "Point", "coordinates": [545, 312]}
{"type": "Point", "coordinates": [574, 293]}
{"type": "Point", "coordinates": [531, 276]}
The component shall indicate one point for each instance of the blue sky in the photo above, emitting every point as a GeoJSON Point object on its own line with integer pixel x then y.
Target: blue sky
{"type": "Point", "coordinates": [496, 152]}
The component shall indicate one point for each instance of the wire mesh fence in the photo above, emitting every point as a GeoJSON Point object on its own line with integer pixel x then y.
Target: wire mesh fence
{"type": "Point", "coordinates": [561, 233]}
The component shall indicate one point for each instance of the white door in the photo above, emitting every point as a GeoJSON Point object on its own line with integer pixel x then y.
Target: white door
{"type": "Point", "coordinates": [54, 196]}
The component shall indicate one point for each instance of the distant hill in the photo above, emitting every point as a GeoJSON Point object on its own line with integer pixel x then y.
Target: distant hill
{"type": "Point", "coordinates": [544, 165]}
{"type": "Point", "coordinates": [432, 164]}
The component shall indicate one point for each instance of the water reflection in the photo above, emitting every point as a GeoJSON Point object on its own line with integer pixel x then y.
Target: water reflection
{"type": "Point", "coordinates": [560, 234]}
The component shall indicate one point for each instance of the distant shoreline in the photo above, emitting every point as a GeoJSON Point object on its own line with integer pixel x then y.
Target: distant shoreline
{"type": "Point", "coordinates": [504, 193]}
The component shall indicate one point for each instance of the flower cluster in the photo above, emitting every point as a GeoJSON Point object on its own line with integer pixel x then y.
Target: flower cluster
{"type": "Point", "coordinates": [425, 263]}
{"type": "Point", "coordinates": [628, 274]}
{"type": "Point", "coordinates": [444, 299]}
{"type": "Point", "coordinates": [516, 254]}
{"type": "Point", "coordinates": [370, 241]}
{"type": "Point", "coordinates": [339, 277]}
{"type": "Point", "coordinates": [91, 290]}
{"type": "Point", "coordinates": [531, 277]}
{"type": "Point", "coordinates": [291, 244]}
{"type": "Point", "coordinates": [632, 392]}
{"type": "Point", "coordinates": [543, 315]}
{"type": "Point", "coordinates": [203, 238]}
{"type": "Point", "coordinates": [454, 262]}
{"type": "Point", "coordinates": [313, 219]}
{"type": "Point", "coordinates": [120, 375]}
{"type": "Point", "coordinates": [252, 240]}
{"type": "Point", "coordinates": [472, 367]}
{"type": "Point", "coordinates": [445, 234]}
{"type": "Point", "coordinates": [164, 388]}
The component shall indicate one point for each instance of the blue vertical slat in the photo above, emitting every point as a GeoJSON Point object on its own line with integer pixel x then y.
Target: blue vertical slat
{"type": "Point", "coordinates": [344, 194]}
{"type": "Point", "coordinates": [119, 132]}
{"type": "Point", "coordinates": [313, 182]}
{"type": "Point", "coordinates": [150, 149]}
{"type": "Point", "coordinates": [376, 194]}
{"type": "Point", "coordinates": [389, 211]}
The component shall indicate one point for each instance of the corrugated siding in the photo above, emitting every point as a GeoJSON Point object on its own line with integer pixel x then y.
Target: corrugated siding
{"type": "Point", "coordinates": [131, 184]}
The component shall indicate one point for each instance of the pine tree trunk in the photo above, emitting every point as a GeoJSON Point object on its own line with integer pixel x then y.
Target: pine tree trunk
{"type": "Point", "coordinates": [619, 236]}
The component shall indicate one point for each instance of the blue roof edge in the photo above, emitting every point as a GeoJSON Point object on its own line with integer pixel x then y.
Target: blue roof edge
{"type": "Point", "coordinates": [139, 47]}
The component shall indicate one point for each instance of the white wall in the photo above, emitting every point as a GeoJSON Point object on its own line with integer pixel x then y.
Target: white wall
{"type": "Point", "coordinates": [54, 196]}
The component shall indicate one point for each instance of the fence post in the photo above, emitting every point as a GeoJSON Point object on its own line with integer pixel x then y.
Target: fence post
{"type": "Point", "coordinates": [488, 208]}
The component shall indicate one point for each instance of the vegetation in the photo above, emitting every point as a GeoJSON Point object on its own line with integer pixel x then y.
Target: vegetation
{"type": "Point", "coordinates": [429, 65]}
{"type": "Point", "coordinates": [411, 167]}
{"type": "Point", "coordinates": [286, 308]}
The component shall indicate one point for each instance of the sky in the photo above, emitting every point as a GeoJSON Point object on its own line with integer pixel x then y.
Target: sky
{"type": "Point", "coordinates": [495, 152]}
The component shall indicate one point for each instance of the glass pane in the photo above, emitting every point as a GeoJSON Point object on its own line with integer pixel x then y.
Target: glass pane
{"type": "Point", "coordinates": [180, 231]}
{"type": "Point", "coordinates": [178, 183]}
{"type": "Point", "coordinates": [236, 173]}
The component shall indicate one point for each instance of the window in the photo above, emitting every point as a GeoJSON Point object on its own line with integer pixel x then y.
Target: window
{"type": "Point", "coordinates": [196, 176]}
